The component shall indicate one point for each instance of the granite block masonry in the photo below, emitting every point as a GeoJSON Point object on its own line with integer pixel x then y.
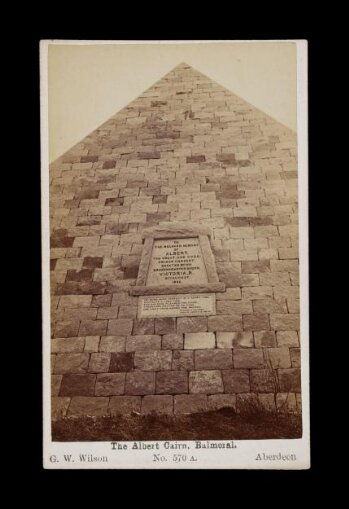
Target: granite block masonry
{"type": "Point", "coordinates": [186, 151]}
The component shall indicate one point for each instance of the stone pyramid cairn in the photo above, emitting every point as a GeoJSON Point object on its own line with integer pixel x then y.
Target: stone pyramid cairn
{"type": "Point", "coordinates": [187, 149]}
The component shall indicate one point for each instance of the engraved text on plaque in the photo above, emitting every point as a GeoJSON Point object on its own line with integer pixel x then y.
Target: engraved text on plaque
{"type": "Point", "coordinates": [177, 261]}
{"type": "Point", "coordinates": [203, 304]}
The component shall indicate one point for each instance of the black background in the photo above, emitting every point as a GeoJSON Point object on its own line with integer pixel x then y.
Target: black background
{"type": "Point", "coordinates": [284, 21]}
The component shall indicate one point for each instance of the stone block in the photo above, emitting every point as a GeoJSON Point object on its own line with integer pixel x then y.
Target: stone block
{"type": "Point", "coordinates": [243, 254]}
{"type": "Point", "coordinates": [112, 344]}
{"type": "Point", "coordinates": [288, 253]}
{"type": "Point", "coordinates": [269, 306]}
{"type": "Point", "coordinates": [264, 338]}
{"type": "Point", "coordinates": [248, 358]}
{"type": "Point", "coordinates": [244, 232]}
{"type": "Point", "coordinates": [172, 342]}
{"type": "Point", "coordinates": [71, 363]}
{"type": "Point", "coordinates": [140, 383]}
{"type": "Point", "coordinates": [219, 401]}
{"type": "Point", "coordinates": [225, 323]}
{"type": "Point", "coordinates": [205, 382]}
{"type": "Point", "coordinates": [52, 362]}
{"type": "Point", "coordinates": [290, 380]}
{"type": "Point", "coordinates": [225, 339]}
{"type": "Point", "coordinates": [82, 406]}
{"type": "Point", "coordinates": [234, 340]}
{"type": "Point", "coordinates": [279, 357]}
{"type": "Point", "coordinates": [192, 324]}
{"type": "Point", "coordinates": [259, 243]}
{"type": "Point", "coordinates": [299, 402]}
{"type": "Point", "coordinates": [190, 403]}
{"type": "Point", "coordinates": [256, 321]}
{"type": "Point", "coordinates": [143, 326]}
{"type": "Point", "coordinates": [293, 305]}
{"type": "Point", "coordinates": [230, 294]}
{"type": "Point", "coordinates": [121, 362]}
{"type": "Point", "coordinates": [157, 405]}
{"type": "Point", "coordinates": [143, 342]}
{"type": "Point", "coordinates": [171, 382]}
{"type": "Point", "coordinates": [237, 307]}
{"type": "Point", "coordinates": [67, 345]}
{"type": "Point", "coordinates": [124, 405]}
{"type": "Point", "coordinates": [165, 325]}
{"type": "Point", "coordinates": [236, 380]}
{"type": "Point", "coordinates": [247, 403]}
{"type": "Point", "coordinates": [232, 278]}
{"type": "Point", "coordinates": [77, 385]}
{"type": "Point", "coordinates": [213, 359]}
{"type": "Point", "coordinates": [295, 354]}
{"type": "Point", "coordinates": [153, 360]}
{"type": "Point", "coordinates": [99, 363]}
{"type": "Point", "coordinates": [120, 327]}
{"type": "Point", "coordinates": [287, 338]}
{"type": "Point", "coordinates": [92, 343]}
{"type": "Point", "coordinates": [67, 329]}
{"type": "Point", "coordinates": [110, 384]}
{"type": "Point", "coordinates": [263, 380]}
{"type": "Point", "coordinates": [93, 327]}
{"type": "Point", "coordinates": [274, 279]}
{"type": "Point", "coordinates": [199, 340]}
{"type": "Point", "coordinates": [265, 231]}
{"type": "Point", "coordinates": [109, 164]}
{"type": "Point", "coordinates": [286, 403]}
{"type": "Point", "coordinates": [284, 265]}
{"type": "Point", "coordinates": [276, 242]}
{"type": "Point", "coordinates": [80, 314]}
{"type": "Point", "coordinates": [55, 384]}
{"type": "Point", "coordinates": [196, 159]}
{"type": "Point", "coordinates": [268, 254]}
{"type": "Point", "coordinates": [59, 407]}
{"type": "Point", "coordinates": [74, 301]}
{"type": "Point", "coordinates": [287, 292]}
{"type": "Point", "coordinates": [127, 312]}
{"type": "Point", "coordinates": [267, 402]}
{"type": "Point", "coordinates": [145, 155]}
{"type": "Point", "coordinates": [284, 322]}
{"type": "Point", "coordinates": [122, 298]}
{"type": "Point", "coordinates": [107, 313]}
{"type": "Point", "coordinates": [257, 292]}
{"type": "Point", "coordinates": [183, 360]}
{"type": "Point", "coordinates": [100, 300]}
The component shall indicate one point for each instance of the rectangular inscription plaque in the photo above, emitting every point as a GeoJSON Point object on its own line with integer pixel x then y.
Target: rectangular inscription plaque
{"type": "Point", "coordinates": [153, 306]}
{"type": "Point", "coordinates": [176, 262]}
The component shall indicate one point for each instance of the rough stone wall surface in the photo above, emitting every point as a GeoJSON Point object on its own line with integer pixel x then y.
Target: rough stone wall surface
{"type": "Point", "coordinates": [185, 150]}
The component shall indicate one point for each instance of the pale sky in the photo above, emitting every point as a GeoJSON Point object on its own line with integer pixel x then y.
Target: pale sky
{"type": "Point", "coordinates": [87, 84]}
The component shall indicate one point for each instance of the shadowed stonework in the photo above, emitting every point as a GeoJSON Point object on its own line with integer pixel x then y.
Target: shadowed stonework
{"type": "Point", "coordinates": [187, 150]}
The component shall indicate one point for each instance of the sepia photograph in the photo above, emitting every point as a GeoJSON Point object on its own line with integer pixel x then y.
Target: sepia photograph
{"type": "Point", "coordinates": [174, 210]}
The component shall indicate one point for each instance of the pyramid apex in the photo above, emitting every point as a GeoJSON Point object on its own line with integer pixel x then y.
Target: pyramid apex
{"type": "Point", "coordinates": [183, 65]}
